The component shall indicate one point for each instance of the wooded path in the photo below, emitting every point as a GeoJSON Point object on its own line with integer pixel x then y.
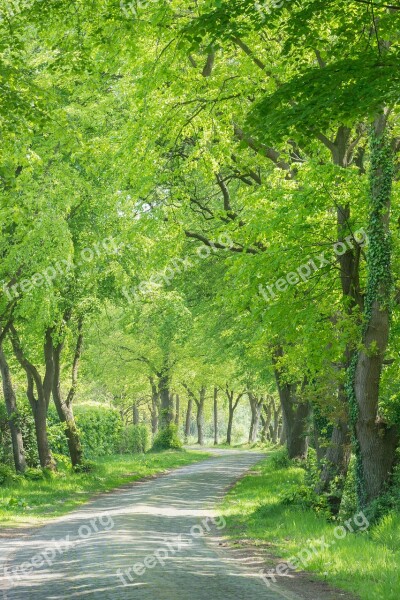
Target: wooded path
{"type": "Point", "coordinates": [166, 523]}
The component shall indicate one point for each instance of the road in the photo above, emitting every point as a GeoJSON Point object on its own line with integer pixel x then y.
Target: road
{"type": "Point", "coordinates": [153, 540]}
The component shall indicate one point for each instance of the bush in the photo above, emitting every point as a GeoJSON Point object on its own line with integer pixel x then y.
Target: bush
{"type": "Point", "coordinates": [167, 439]}
{"type": "Point", "coordinates": [99, 427]}
{"type": "Point", "coordinates": [7, 474]}
{"type": "Point", "coordinates": [34, 474]}
{"type": "Point", "coordinates": [134, 439]}
{"type": "Point", "coordinates": [388, 502]}
{"type": "Point", "coordinates": [348, 505]}
{"type": "Point", "coordinates": [86, 466]}
{"type": "Point", "coordinates": [280, 459]}
{"type": "Point", "coordinates": [27, 425]}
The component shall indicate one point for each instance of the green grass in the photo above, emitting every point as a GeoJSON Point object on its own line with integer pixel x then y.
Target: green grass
{"type": "Point", "coordinates": [366, 564]}
{"type": "Point", "coordinates": [26, 502]}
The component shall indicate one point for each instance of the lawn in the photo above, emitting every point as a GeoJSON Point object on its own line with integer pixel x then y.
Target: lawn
{"type": "Point", "coordinates": [365, 563]}
{"type": "Point", "coordinates": [26, 502]}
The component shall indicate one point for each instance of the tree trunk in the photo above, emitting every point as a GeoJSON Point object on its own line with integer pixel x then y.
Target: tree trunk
{"type": "Point", "coordinates": [230, 425]}
{"type": "Point", "coordinates": [177, 410]}
{"type": "Point", "coordinates": [266, 421]}
{"type": "Point", "coordinates": [232, 405]}
{"type": "Point", "coordinates": [135, 415]}
{"type": "Point", "coordinates": [336, 465]}
{"type": "Point", "coordinates": [40, 403]}
{"type": "Point", "coordinates": [376, 441]}
{"type": "Point", "coordinates": [255, 406]}
{"type": "Point", "coordinates": [275, 430]}
{"type": "Point", "coordinates": [188, 418]}
{"type": "Point", "coordinates": [155, 402]}
{"type": "Point", "coordinates": [296, 413]}
{"type": "Point", "coordinates": [40, 417]}
{"type": "Point", "coordinates": [200, 416]}
{"type": "Point", "coordinates": [215, 416]}
{"type": "Point", "coordinates": [166, 400]}
{"type": "Point", "coordinates": [64, 408]}
{"type": "Point", "coordinates": [12, 412]}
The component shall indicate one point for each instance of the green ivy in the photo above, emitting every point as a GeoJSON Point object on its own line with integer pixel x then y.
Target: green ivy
{"type": "Point", "coordinates": [379, 280]}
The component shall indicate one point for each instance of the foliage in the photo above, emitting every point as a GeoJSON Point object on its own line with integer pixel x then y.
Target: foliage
{"type": "Point", "coordinates": [7, 474]}
{"type": "Point", "coordinates": [34, 474]}
{"type": "Point", "coordinates": [26, 422]}
{"type": "Point", "coordinates": [167, 439]}
{"type": "Point", "coordinates": [280, 459]}
{"type": "Point", "coordinates": [134, 439]}
{"type": "Point", "coordinates": [306, 495]}
{"type": "Point", "coordinates": [86, 466]}
{"type": "Point", "coordinates": [389, 502]}
{"type": "Point", "coordinates": [100, 428]}
{"type": "Point", "coordinates": [53, 497]}
{"type": "Point", "coordinates": [364, 563]}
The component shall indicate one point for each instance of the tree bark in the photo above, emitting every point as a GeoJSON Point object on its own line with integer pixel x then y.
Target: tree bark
{"type": "Point", "coordinates": [296, 412]}
{"type": "Point", "coordinates": [275, 429]}
{"type": "Point", "coordinates": [282, 433]}
{"type": "Point", "coordinates": [200, 416]}
{"type": "Point", "coordinates": [377, 442]}
{"type": "Point", "coordinates": [64, 407]}
{"type": "Point", "coordinates": [200, 411]}
{"type": "Point", "coordinates": [188, 418]}
{"type": "Point", "coordinates": [255, 406]}
{"type": "Point", "coordinates": [155, 404]}
{"type": "Point", "coordinates": [266, 420]}
{"type": "Point", "coordinates": [336, 464]}
{"type": "Point", "coordinates": [12, 412]}
{"type": "Point", "coordinates": [39, 403]}
{"type": "Point", "coordinates": [177, 410]}
{"type": "Point", "coordinates": [215, 416]}
{"type": "Point", "coordinates": [232, 405]}
{"type": "Point", "coordinates": [166, 398]}
{"type": "Point", "coordinates": [334, 472]}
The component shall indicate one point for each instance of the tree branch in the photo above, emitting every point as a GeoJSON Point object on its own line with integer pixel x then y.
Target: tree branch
{"type": "Point", "coordinates": [208, 67]}
{"type": "Point", "coordinates": [211, 244]}
{"type": "Point", "coordinates": [260, 148]}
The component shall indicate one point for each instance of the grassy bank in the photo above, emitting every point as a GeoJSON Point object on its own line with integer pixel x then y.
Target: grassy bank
{"type": "Point", "coordinates": [365, 563]}
{"type": "Point", "coordinates": [26, 502]}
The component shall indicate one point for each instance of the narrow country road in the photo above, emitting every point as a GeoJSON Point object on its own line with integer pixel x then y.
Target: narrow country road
{"type": "Point", "coordinates": [153, 540]}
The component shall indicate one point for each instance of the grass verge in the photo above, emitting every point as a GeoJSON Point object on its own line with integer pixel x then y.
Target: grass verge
{"type": "Point", "coordinates": [366, 563]}
{"type": "Point", "coordinates": [25, 502]}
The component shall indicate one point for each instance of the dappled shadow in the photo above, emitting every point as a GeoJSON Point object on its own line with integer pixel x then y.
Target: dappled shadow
{"type": "Point", "coordinates": [153, 519]}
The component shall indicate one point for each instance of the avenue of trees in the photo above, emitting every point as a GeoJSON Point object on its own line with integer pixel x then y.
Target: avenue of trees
{"type": "Point", "coordinates": [200, 225]}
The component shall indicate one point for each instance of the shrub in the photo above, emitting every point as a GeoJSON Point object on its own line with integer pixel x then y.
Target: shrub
{"type": "Point", "coordinates": [33, 474]}
{"type": "Point", "coordinates": [99, 427]}
{"type": "Point", "coordinates": [7, 474]}
{"type": "Point", "coordinates": [134, 439]}
{"type": "Point", "coordinates": [348, 505]}
{"type": "Point", "coordinates": [280, 459]}
{"type": "Point", "coordinates": [86, 466]}
{"type": "Point", "coordinates": [388, 502]}
{"type": "Point", "coordinates": [167, 439]}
